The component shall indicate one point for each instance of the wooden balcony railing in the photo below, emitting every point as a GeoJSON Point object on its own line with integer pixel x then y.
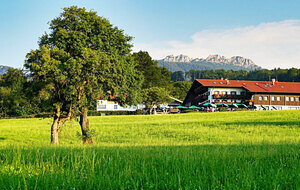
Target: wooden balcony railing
{"type": "Point", "coordinates": [229, 96]}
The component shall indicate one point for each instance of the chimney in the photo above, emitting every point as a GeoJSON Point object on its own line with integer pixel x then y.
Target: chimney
{"type": "Point", "coordinates": [227, 81]}
{"type": "Point", "coordinates": [273, 81]}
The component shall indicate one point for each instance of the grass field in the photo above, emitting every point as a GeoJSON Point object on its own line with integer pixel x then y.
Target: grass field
{"type": "Point", "coordinates": [229, 150]}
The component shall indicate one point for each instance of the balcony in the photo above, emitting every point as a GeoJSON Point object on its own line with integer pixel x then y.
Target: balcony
{"type": "Point", "coordinates": [228, 96]}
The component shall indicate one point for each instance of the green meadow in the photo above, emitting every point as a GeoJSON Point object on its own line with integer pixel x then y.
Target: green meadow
{"type": "Point", "coordinates": [225, 150]}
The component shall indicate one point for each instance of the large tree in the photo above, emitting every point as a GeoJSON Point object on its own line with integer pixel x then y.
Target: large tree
{"type": "Point", "coordinates": [84, 57]}
{"type": "Point", "coordinates": [157, 84]}
{"type": "Point", "coordinates": [154, 75]}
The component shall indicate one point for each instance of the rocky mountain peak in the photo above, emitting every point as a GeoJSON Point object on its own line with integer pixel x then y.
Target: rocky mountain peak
{"type": "Point", "coordinates": [212, 61]}
{"type": "Point", "coordinates": [238, 60]}
{"type": "Point", "coordinates": [3, 69]}
{"type": "Point", "coordinates": [216, 59]}
{"type": "Point", "coordinates": [180, 58]}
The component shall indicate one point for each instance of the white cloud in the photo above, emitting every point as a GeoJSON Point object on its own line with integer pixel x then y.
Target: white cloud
{"type": "Point", "coordinates": [269, 45]}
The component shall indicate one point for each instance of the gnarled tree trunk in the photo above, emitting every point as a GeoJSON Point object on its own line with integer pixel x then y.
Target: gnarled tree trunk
{"type": "Point", "coordinates": [151, 110]}
{"type": "Point", "coordinates": [55, 127]}
{"type": "Point", "coordinates": [57, 122]}
{"type": "Point", "coordinates": [85, 126]}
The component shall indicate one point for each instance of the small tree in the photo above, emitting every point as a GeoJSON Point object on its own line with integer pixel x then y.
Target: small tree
{"type": "Point", "coordinates": [154, 97]}
{"type": "Point", "coordinates": [82, 58]}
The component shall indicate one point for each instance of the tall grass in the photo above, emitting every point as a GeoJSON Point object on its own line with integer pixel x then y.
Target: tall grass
{"type": "Point", "coordinates": [237, 150]}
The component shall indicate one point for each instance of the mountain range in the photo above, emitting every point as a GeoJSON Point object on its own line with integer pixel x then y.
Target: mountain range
{"type": "Point", "coordinates": [185, 63]}
{"type": "Point", "coordinates": [212, 62]}
{"type": "Point", "coordinates": [3, 69]}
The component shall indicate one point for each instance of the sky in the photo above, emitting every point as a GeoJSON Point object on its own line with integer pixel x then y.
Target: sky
{"type": "Point", "coordinates": [265, 31]}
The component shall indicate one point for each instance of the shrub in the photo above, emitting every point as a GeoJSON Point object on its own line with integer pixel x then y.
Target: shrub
{"type": "Point", "coordinates": [139, 112]}
{"type": "Point", "coordinates": [222, 109]}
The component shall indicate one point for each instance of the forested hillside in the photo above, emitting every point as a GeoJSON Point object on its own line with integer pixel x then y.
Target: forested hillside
{"type": "Point", "coordinates": [283, 75]}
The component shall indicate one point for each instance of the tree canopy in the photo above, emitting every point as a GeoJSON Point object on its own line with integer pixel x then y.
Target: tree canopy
{"type": "Point", "coordinates": [283, 75]}
{"type": "Point", "coordinates": [154, 76]}
{"type": "Point", "coordinates": [155, 96]}
{"type": "Point", "coordinates": [83, 58]}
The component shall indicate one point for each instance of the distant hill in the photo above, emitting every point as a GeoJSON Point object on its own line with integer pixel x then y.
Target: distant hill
{"type": "Point", "coordinates": [3, 69]}
{"type": "Point", "coordinates": [185, 63]}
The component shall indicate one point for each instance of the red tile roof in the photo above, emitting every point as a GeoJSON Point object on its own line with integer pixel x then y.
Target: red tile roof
{"type": "Point", "coordinates": [254, 86]}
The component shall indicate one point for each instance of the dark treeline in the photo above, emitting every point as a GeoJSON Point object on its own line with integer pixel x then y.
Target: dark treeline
{"type": "Point", "coordinates": [283, 75]}
{"type": "Point", "coordinates": [18, 97]}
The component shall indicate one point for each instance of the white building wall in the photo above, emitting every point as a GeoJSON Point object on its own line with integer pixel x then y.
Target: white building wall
{"type": "Point", "coordinates": [276, 107]}
{"type": "Point", "coordinates": [104, 105]}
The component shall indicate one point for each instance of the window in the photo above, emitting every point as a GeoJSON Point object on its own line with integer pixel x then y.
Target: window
{"type": "Point", "coordinates": [266, 98]}
{"type": "Point", "coordinates": [224, 92]}
{"type": "Point", "coordinates": [297, 99]}
{"type": "Point", "coordinates": [233, 92]}
{"type": "Point", "coordinates": [229, 100]}
{"type": "Point", "coordinates": [115, 107]}
{"type": "Point", "coordinates": [272, 98]}
{"type": "Point", "coordinates": [292, 99]}
{"type": "Point", "coordinates": [243, 93]}
{"type": "Point", "coordinates": [102, 106]}
{"type": "Point", "coordinates": [216, 92]}
{"type": "Point", "coordinates": [287, 99]}
{"type": "Point", "coordinates": [260, 98]}
{"type": "Point", "coordinates": [278, 98]}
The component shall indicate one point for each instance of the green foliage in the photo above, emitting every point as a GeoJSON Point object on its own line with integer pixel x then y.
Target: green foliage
{"type": "Point", "coordinates": [89, 133]}
{"type": "Point", "coordinates": [224, 150]}
{"type": "Point", "coordinates": [178, 76]}
{"type": "Point", "coordinates": [188, 111]}
{"type": "Point", "coordinates": [180, 89]}
{"type": "Point", "coordinates": [154, 76]}
{"type": "Point", "coordinates": [139, 112]}
{"type": "Point", "coordinates": [242, 109]}
{"type": "Point", "coordinates": [83, 58]}
{"type": "Point", "coordinates": [14, 100]}
{"type": "Point", "coordinates": [283, 75]}
{"type": "Point", "coordinates": [155, 96]}
{"type": "Point", "coordinates": [222, 109]}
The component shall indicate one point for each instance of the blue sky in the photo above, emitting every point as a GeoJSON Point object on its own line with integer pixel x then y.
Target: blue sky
{"type": "Point", "coordinates": [265, 31]}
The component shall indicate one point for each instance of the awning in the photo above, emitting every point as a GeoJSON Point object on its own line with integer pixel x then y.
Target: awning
{"type": "Point", "coordinates": [209, 105]}
{"type": "Point", "coordinates": [222, 105]}
{"type": "Point", "coordinates": [182, 107]}
{"type": "Point", "coordinates": [195, 107]}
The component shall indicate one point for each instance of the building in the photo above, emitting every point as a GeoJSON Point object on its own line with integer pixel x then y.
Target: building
{"type": "Point", "coordinates": [261, 95]}
{"type": "Point", "coordinates": [106, 105]}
